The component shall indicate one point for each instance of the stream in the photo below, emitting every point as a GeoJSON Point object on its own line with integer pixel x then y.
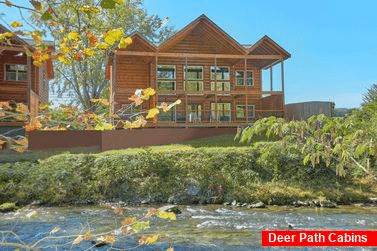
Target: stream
{"type": "Point", "coordinates": [196, 228]}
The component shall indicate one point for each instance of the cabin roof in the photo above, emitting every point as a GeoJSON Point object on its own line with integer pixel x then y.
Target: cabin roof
{"type": "Point", "coordinates": [180, 35]}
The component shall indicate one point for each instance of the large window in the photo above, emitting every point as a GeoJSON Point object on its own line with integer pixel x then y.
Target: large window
{"type": "Point", "coordinates": [221, 86]}
{"type": "Point", "coordinates": [219, 73]}
{"type": "Point", "coordinates": [194, 112]}
{"type": "Point", "coordinates": [16, 72]}
{"type": "Point", "coordinates": [241, 111]}
{"type": "Point", "coordinates": [240, 78]}
{"type": "Point", "coordinates": [222, 113]}
{"type": "Point", "coordinates": [166, 75]}
{"type": "Point", "coordinates": [194, 78]}
{"type": "Point", "coordinates": [222, 76]}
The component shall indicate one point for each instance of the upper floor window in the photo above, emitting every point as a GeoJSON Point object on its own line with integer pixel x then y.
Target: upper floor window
{"type": "Point", "coordinates": [194, 72]}
{"type": "Point", "coordinates": [240, 78]}
{"type": "Point", "coordinates": [166, 72]}
{"type": "Point", "coordinates": [194, 78]}
{"type": "Point", "coordinates": [166, 75]}
{"type": "Point", "coordinates": [220, 72]}
{"type": "Point", "coordinates": [16, 72]}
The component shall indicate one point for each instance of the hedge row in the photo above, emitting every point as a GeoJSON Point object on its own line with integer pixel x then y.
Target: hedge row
{"type": "Point", "coordinates": [229, 173]}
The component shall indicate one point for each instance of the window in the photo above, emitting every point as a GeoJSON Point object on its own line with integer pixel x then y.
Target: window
{"type": "Point", "coordinates": [240, 78]}
{"type": "Point", "coordinates": [166, 72]}
{"type": "Point", "coordinates": [194, 86]}
{"type": "Point", "coordinates": [223, 111]}
{"type": "Point", "coordinates": [221, 73]}
{"type": "Point", "coordinates": [194, 112]}
{"type": "Point", "coordinates": [165, 75]}
{"type": "Point", "coordinates": [192, 75]}
{"type": "Point", "coordinates": [221, 86]}
{"type": "Point", "coordinates": [194, 72]}
{"type": "Point", "coordinates": [16, 72]}
{"type": "Point", "coordinates": [241, 113]}
{"type": "Point", "coordinates": [166, 85]}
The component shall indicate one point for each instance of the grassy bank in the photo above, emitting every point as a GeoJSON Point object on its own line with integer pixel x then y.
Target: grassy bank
{"type": "Point", "coordinates": [182, 173]}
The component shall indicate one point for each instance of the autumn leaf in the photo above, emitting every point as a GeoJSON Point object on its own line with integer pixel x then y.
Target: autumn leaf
{"type": "Point", "coordinates": [64, 59]}
{"type": "Point", "coordinates": [16, 24]}
{"type": "Point", "coordinates": [47, 16]}
{"type": "Point", "coordinates": [164, 106]}
{"type": "Point", "coordinates": [140, 225]}
{"type": "Point", "coordinates": [147, 93]}
{"type": "Point", "coordinates": [107, 4]}
{"type": "Point", "coordinates": [20, 149]}
{"type": "Point", "coordinates": [44, 106]}
{"type": "Point", "coordinates": [152, 113]}
{"type": "Point", "coordinates": [172, 216]}
{"type": "Point", "coordinates": [78, 240]}
{"type": "Point", "coordinates": [2, 114]}
{"type": "Point", "coordinates": [106, 239]}
{"type": "Point", "coordinates": [162, 214]}
{"type": "Point", "coordinates": [73, 35]}
{"type": "Point", "coordinates": [53, 23]}
{"type": "Point", "coordinates": [22, 108]}
{"type": "Point", "coordinates": [170, 249]}
{"type": "Point", "coordinates": [113, 35]}
{"type": "Point", "coordinates": [128, 221]}
{"type": "Point", "coordinates": [87, 235]}
{"type": "Point", "coordinates": [37, 5]}
{"type": "Point", "coordinates": [152, 239]}
{"type": "Point", "coordinates": [124, 42]}
{"type": "Point", "coordinates": [5, 104]}
{"type": "Point", "coordinates": [8, 3]}
{"type": "Point", "coordinates": [118, 211]}
{"type": "Point", "coordinates": [103, 46]}
{"type": "Point", "coordinates": [5, 35]}
{"type": "Point", "coordinates": [23, 141]}
{"type": "Point", "coordinates": [21, 118]}
{"type": "Point", "coordinates": [137, 99]}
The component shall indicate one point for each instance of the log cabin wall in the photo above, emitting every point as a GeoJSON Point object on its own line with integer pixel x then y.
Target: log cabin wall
{"type": "Point", "coordinates": [201, 43]}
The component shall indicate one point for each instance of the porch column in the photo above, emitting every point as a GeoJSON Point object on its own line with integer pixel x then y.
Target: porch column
{"type": "Point", "coordinates": [271, 80]}
{"type": "Point", "coordinates": [28, 83]}
{"type": "Point", "coordinates": [186, 99]}
{"type": "Point", "coordinates": [282, 80]}
{"type": "Point", "coordinates": [245, 83]}
{"type": "Point", "coordinates": [156, 86]}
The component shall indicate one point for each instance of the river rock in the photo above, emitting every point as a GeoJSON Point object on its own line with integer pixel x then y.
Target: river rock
{"type": "Point", "coordinates": [216, 200]}
{"type": "Point", "coordinates": [327, 204]}
{"type": "Point", "coordinates": [300, 203]}
{"type": "Point", "coordinates": [234, 203]}
{"type": "Point", "coordinates": [8, 207]}
{"type": "Point", "coordinates": [374, 200]}
{"type": "Point", "coordinates": [170, 208]}
{"type": "Point", "coordinates": [227, 203]}
{"type": "Point", "coordinates": [258, 204]}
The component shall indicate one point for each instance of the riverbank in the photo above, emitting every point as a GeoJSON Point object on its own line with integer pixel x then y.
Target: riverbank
{"type": "Point", "coordinates": [181, 174]}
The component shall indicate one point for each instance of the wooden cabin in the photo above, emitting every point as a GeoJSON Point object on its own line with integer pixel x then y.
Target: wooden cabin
{"type": "Point", "coordinates": [20, 80]}
{"type": "Point", "coordinates": [217, 79]}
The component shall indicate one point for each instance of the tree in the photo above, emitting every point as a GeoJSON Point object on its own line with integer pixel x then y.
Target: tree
{"type": "Point", "coordinates": [87, 77]}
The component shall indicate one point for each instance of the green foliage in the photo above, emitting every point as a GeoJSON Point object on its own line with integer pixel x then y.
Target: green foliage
{"type": "Point", "coordinates": [340, 143]}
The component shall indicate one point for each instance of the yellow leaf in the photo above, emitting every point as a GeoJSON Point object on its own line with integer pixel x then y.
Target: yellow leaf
{"type": "Point", "coordinates": [78, 240]}
{"type": "Point", "coordinates": [44, 106]}
{"type": "Point", "coordinates": [124, 42]}
{"type": "Point", "coordinates": [152, 239]}
{"type": "Point", "coordinates": [21, 108]}
{"type": "Point", "coordinates": [5, 35]}
{"type": "Point", "coordinates": [113, 35]}
{"type": "Point", "coordinates": [106, 239]}
{"type": "Point", "coordinates": [178, 102]}
{"type": "Point", "coordinates": [170, 249]}
{"type": "Point", "coordinates": [152, 113]}
{"type": "Point", "coordinates": [87, 235]}
{"type": "Point", "coordinates": [16, 24]}
{"type": "Point", "coordinates": [37, 63]}
{"type": "Point", "coordinates": [164, 106]}
{"type": "Point", "coordinates": [162, 214]}
{"type": "Point", "coordinates": [172, 216]}
{"type": "Point", "coordinates": [88, 52]}
{"type": "Point", "coordinates": [147, 93]}
{"type": "Point", "coordinates": [63, 59]}
{"type": "Point", "coordinates": [73, 35]}
{"type": "Point", "coordinates": [8, 3]}
{"type": "Point", "coordinates": [103, 46]}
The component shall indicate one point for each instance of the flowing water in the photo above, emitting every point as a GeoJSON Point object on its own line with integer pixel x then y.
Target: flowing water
{"type": "Point", "coordinates": [196, 228]}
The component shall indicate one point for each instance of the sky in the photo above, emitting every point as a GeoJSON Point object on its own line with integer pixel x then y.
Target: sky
{"type": "Point", "coordinates": [333, 43]}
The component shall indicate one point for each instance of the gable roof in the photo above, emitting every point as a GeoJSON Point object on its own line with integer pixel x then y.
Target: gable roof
{"type": "Point", "coordinates": [16, 40]}
{"type": "Point", "coordinates": [266, 45]}
{"type": "Point", "coordinates": [139, 42]}
{"type": "Point", "coordinates": [219, 33]}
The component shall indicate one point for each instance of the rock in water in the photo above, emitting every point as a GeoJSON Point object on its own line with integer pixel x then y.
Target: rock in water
{"type": "Point", "coordinates": [258, 204]}
{"type": "Point", "coordinates": [327, 204]}
{"type": "Point", "coordinates": [170, 208]}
